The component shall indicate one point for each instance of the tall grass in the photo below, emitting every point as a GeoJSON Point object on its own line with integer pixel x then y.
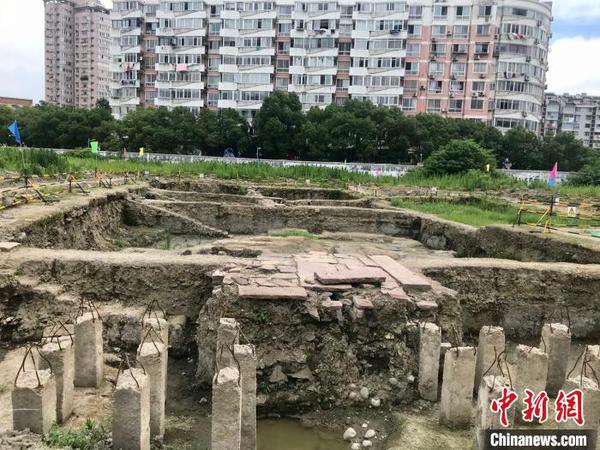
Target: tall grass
{"type": "Point", "coordinates": [482, 211]}
{"type": "Point", "coordinates": [32, 161]}
{"type": "Point", "coordinates": [45, 162]}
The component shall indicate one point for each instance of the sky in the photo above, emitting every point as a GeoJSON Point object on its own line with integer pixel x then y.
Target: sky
{"type": "Point", "coordinates": [574, 61]}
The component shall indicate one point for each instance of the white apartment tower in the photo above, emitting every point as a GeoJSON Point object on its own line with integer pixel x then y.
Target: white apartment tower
{"type": "Point", "coordinates": [578, 115]}
{"type": "Point", "coordinates": [475, 59]}
{"type": "Point", "coordinates": [77, 56]}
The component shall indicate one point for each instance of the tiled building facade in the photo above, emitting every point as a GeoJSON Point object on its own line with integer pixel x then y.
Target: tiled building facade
{"type": "Point", "coordinates": [476, 59]}
{"type": "Point", "coordinates": [77, 54]}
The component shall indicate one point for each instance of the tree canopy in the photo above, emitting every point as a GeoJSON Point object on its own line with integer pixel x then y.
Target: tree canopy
{"type": "Point", "coordinates": [356, 131]}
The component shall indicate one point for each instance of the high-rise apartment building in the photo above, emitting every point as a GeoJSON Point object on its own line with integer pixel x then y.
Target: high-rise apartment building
{"type": "Point", "coordinates": [575, 114]}
{"type": "Point", "coordinates": [77, 52]}
{"type": "Point", "coordinates": [476, 59]}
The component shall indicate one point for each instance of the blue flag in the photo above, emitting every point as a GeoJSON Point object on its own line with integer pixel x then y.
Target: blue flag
{"type": "Point", "coordinates": [14, 131]}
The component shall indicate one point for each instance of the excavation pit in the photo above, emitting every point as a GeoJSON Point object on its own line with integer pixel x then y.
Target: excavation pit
{"type": "Point", "coordinates": [330, 286]}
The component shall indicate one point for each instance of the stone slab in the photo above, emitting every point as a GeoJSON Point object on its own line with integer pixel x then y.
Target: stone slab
{"type": "Point", "coordinates": [362, 303]}
{"type": "Point", "coordinates": [271, 293]}
{"type": "Point", "coordinates": [369, 275]}
{"type": "Point", "coordinates": [6, 247]}
{"type": "Point", "coordinates": [404, 276]}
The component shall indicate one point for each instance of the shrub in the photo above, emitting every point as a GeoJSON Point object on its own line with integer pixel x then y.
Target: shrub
{"type": "Point", "coordinates": [457, 157]}
{"type": "Point", "coordinates": [90, 436]}
{"type": "Point", "coordinates": [588, 175]}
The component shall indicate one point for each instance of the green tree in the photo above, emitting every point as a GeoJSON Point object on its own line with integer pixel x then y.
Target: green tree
{"type": "Point", "coordinates": [522, 148]}
{"type": "Point", "coordinates": [278, 124]}
{"type": "Point", "coordinates": [458, 156]}
{"type": "Point", "coordinates": [563, 148]}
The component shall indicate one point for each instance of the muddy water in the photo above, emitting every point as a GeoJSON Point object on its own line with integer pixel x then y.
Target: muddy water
{"type": "Point", "coordinates": [291, 435]}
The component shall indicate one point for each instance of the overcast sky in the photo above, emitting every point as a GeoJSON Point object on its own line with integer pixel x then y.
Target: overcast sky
{"type": "Point", "coordinates": [574, 57]}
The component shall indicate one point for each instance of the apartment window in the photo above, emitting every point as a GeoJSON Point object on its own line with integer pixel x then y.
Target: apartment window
{"type": "Point", "coordinates": [212, 99]}
{"type": "Point", "coordinates": [414, 30]}
{"type": "Point", "coordinates": [213, 63]}
{"type": "Point", "coordinates": [462, 12]}
{"type": "Point", "coordinates": [459, 49]}
{"type": "Point", "coordinates": [214, 28]}
{"type": "Point", "coordinates": [412, 68]}
{"type": "Point", "coordinates": [455, 105]}
{"type": "Point", "coordinates": [440, 12]}
{"type": "Point", "coordinates": [482, 48]}
{"type": "Point", "coordinates": [283, 64]}
{"type": "Point", "coordinates": [485, 10]}
{"type": "Point", "coordinates": [212, 81]}
{"type": "Point", "coordinates": [458, 69]}
{"type": "Point", "coordinates": [478, 86]}
{"type": "Point", "coordinates": [435, 87]}
{"type": "Point", "coordinates": [410, 85]}
{"type": "Point", "coordinates": [476, 103]}
{"type": "Point", "coordinates": [438, 49]}
{"type": "Point", "coordinates": [281, 83]}
{"type": "Point", "coordinates": [283, 47]}
{"type": "Point", "coordinates": [457, 87]}
{"type": "Point", "coordinates": [413, 49]}
{"type": "Point", "coordinates": [284, 28]}
{"type": "Point", "coordinates": [285, 10]}
{"type": "Point", "coordinates": [439, 30]}
{"type": "Point", "coordinates": [415, 12]}
{"type": "Point", "coordinates": [214, 45]}
{"type": "Point", "coordinates": [436, 69]}
{"type": "Point", "coordinates": [480, 68]}
{"type": "Point", "coordinates": [461, 31]}
{"type": "Point", "coordinates": [483, 30]}
{"type": "Point", "coordinates": [344, 48]}
{"type": "Point", "coordinates": [434, 105]}
{"type": "Point", "coordinates": [347, 12]}
{"type": "Point", "coordinates": [409, 104]}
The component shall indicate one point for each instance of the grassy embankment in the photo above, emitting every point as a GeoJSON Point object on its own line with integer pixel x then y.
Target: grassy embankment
{"type": "Point", "coordinates": [471, 211]}
{"type": "Point", "coordinates": [483, 211]}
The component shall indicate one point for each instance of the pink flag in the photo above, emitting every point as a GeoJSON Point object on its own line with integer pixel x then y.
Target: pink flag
{"type": "Point", "coordinates": [553, 175]}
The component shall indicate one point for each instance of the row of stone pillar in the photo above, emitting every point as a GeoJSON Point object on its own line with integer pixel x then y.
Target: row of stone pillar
{"type": "Point", "coordinates": [234, 391]}
{"type": "Point", "coordinates": [140, 393]}
{"type": "Point", "coordinates": [44, 395]}
{"type": "Point", "coordinates": [468, 369]}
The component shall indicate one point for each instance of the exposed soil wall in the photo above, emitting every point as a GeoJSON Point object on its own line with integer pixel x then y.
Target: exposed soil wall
{"type": "Point", "coordinates": [285, 192]}
{"type": "Point", "coordinates": [521, 297]}
{"type": "Point", "coordinates": [85, 227]}
{"type": "Point", "coordinates": [305, 363]}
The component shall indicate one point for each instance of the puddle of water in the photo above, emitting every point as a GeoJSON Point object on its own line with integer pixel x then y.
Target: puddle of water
{"type": "Point", "coordinates": [291, 435]}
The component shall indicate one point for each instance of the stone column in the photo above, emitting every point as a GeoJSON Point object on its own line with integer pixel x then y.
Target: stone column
{"type": "Point", "coordinates": [246, 357]}
{"type": "Point", "coordinates": [457, 387]}
{"type": "Point", "coordinates": [591, 405]}
{"type": "Point", "coordinates": [490, 389]}
{"type": "Point", "coordinates": [227, 337]}
{"type": "Point", "coordinates": [593, 353]}
{"type": "Point", "coordinates": [556, 342]}
{"type": "Point", "coordinates": [429, 361]}
{"type": "Point", "coordinates": [34, 402]}
{"type": "Point", "coordinates": [492, 342]}
{"type": "Point", "coordinates": [131, 411]}
{"type": "Point", "coordinates": [89, 363]}
{"type": "Point", "coordinates": [160, 325]}
{"type": "Point", "coordinates": [226, 410]}
{"type": "Point", "coordinates": [60, 354]}
{"type": "Point", "coordinates": [531, 371]}
{"type": "Point", "coordinates": [153, 357]}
